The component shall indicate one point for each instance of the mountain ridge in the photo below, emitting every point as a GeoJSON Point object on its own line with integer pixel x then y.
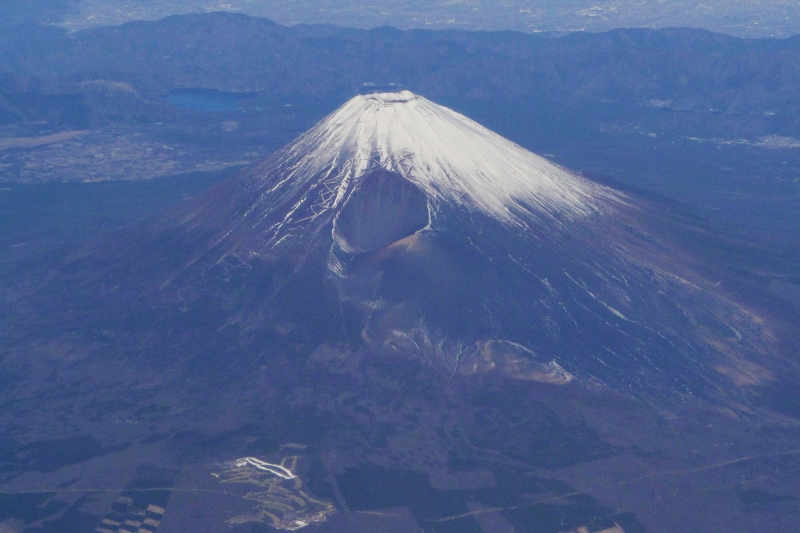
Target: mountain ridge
{"type": "Point", "coordinates": [630, 65]}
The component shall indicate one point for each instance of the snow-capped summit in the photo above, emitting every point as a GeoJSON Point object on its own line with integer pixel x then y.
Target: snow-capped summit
{"type": "Point", "coordinates": [452, 159]}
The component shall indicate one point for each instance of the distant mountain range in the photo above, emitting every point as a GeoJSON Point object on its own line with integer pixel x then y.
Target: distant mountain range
{"type": "Point", "coordinates": [745, 18]}
{"type": "Point", "coordinates": [676, 70]}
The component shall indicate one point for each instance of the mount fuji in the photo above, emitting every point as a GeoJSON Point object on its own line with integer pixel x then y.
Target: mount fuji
{"type": "Point", "coordinates": [404, 230]}
{"type": "Point", "coordinates": [402, 321]}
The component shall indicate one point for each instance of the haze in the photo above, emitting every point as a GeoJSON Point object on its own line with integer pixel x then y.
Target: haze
{"type": "Point", "coordinates": [744, 18]}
